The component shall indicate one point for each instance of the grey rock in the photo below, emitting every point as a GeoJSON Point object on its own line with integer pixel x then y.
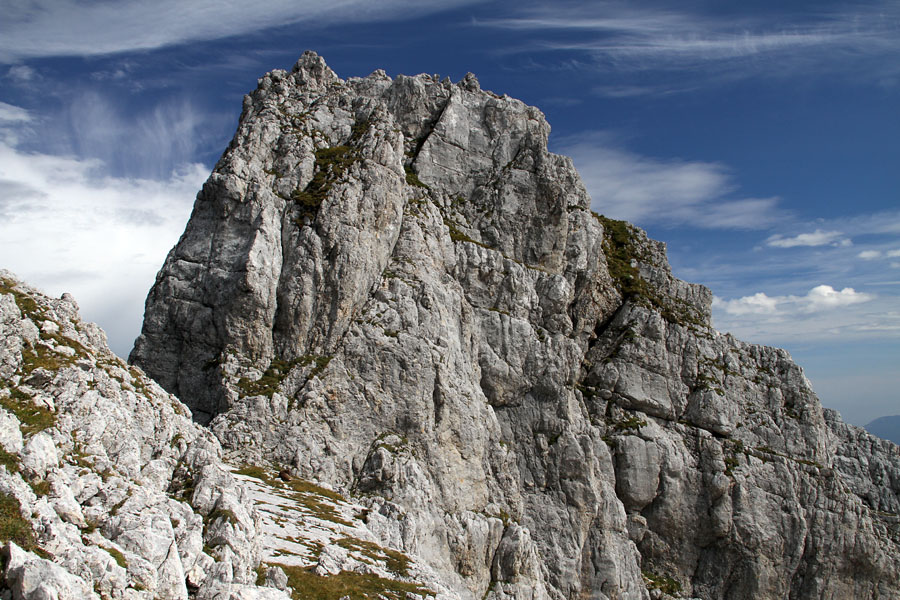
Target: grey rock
{"type": "Point", "coordinates": [393, 288]}
{"type": "Point", "coordinates": [104, 466]}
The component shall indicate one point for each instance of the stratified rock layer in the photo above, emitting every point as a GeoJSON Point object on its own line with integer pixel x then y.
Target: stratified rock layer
{"type": "Point", "coordinates": [393, 287]}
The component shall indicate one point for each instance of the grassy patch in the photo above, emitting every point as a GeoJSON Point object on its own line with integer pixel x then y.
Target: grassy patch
{"type": "Point", "coordinates": [305, 493]}
{"type": "Point", "coordinates": [13, 527]}
{"type": "Point", "coordinates": [413, 179]}
{"type": "Point", "coordinates": [26, 303]}
{"type": "Point", "coordinates": [663, 583]}
{"type": "Point", "coordinates": [356, 586]}
{"type": "Point", "coordinates": [32, 418]}
{"type": "Point", "coordinates": [394, 561]}
{"type": "Point", "coordinates": [222, 513]}
{"type": "Point", "coordinates": [276, 373]}
{"type": "Point", "coordinates": [458, 236]}
{"type": "Point", "coordinates": [331, 164]}
{"type": "Point", "coordinates": [621, 249]}
{"type": "Point", "coordinates": [117, 556]}
{"type": "Point", "coordinates": [630, 423]}
{"type": "Point", "coordinates": [41, 487]}
{"type": "Point", "coordinates": [9, 460]}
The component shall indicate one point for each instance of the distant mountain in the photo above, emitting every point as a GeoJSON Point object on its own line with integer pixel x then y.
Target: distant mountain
{"type": "Point", "coordinates": [887, 428]}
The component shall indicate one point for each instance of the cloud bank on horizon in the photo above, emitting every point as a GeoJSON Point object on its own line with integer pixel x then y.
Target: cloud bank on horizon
{"type": "Point", "coordinates": [758, 143]}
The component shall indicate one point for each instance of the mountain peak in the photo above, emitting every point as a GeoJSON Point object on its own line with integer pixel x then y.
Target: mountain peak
{"type": "Point", "coordinates": [392, 286]}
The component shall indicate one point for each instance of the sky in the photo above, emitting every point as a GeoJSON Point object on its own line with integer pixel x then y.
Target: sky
{"type": "Point", "coordinates": [760, 140]}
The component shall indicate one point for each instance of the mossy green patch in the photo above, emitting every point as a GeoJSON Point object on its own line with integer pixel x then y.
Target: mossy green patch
{"type": "Point", "coordinates": [14, 527]}
{"type": "Point", "coordinates": [663, 583]}
{"type": "Point", "coordinates": [457, 235]}
{"type": "Point", "coordinates": [622, 255]}
{"type": "Point", "coordinates": [413, 179]}
{"type": "Point", "coordinates": [29, 308]}
{"type": "Point", "coordinates": [9, 460]}
{"type": "Point", "coordinates": [331, 165]}
{"type": "Point", "coordinates": [117, 556]}
{"type": "Point", "coordinates": [32, 418]}
{"type": "Point", "coordinates": [277, 371]}
{"type": "Point", "coordinates": [356, 586]}
{"type": "Point", "coordinates": [395, 562]}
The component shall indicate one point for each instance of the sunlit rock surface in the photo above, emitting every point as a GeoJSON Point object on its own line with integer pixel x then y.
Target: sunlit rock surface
{"type": "Point", "coordinates": [392, 287]}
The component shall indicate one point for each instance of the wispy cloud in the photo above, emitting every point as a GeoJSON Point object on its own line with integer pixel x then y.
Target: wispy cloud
{"type": "Point", "coordinates": [646, 190]}
{"type": "Point", "coordinates": [13, 114]}
{"type": "Point", "coordinates": [619, 35]}
{"type": "Point", "coordinates": [68, 226]}
{"type": "Point", "coordinates": [72, 27]}
{"type": "Point", "coordinates": [816, 238]}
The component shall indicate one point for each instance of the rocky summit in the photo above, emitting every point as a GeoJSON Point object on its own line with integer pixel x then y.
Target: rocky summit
{"type": "Point", "coordinates": [423, 368]}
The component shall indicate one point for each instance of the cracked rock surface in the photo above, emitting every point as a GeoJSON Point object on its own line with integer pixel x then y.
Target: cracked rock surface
{"type": "Point", "coordinates": [392, 287]}
{"type": "Point", "coordinates": [108, 488]}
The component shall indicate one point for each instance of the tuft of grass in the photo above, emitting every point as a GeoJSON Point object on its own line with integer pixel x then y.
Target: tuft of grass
{"type": "Point", "coordinates": [117, 556]}
{"type": "Point", "coordinates": [331, 164]}
{"type": "Point", "coordinates": [28, 307]}
{"type": "Point", "coordinates": [32, 418]}
{"type": "Point", "coordinates": [221, 513]}
{"type": "Point", "coordinates": [395, 562]}
{"type": "Point", "coordinates": [9, 460]}
{"type": "Point", "coordinates": [458, 236]}
{"type": "Point", "coordinates": [413, 179]}
{"type": "Point", "coordinates": [13, 527]}
{"type": "Point", "coordinates": [663, 583]}
{"type": "Point", "coordinates": [40, 488]}
{"type": "Point", "coordinates": [355, 586]}
{"type": "Point", "coordinates": [630, 423]}
{"type": "Point", "coordinates": [621, 249]}
{"type": "Point", "coordinates": [277, 371]}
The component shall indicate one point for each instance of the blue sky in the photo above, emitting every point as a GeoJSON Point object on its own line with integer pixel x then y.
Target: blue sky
{"type": "Point", "coordinates": [760, 140]}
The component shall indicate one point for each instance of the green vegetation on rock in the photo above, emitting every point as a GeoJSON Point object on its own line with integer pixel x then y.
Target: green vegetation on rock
{"type": "Point", "coordinates": [331, 164]}
{"type": "Point", "coordinates": [13, 527]}
{"type": "Point", "coordinates": [356, 586]}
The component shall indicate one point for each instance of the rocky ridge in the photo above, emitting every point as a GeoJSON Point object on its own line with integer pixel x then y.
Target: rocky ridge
{"type": "Point", "coordinates": [109, 489]}
{"type": "Point", "coordinates": [391, 286]}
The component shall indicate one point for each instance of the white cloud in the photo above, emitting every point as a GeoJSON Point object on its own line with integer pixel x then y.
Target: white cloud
{"type": "Point", "coordinates": [816, 238]}
{"type": "Point", "coordinates": [757, 304]}
{"type": "Point", "coordinates": [72, 27]}
{"type": "Point", "coordinates": [825, 296]}
{"type": "Point", "coordinates": [644, 190]}
{"type": "Point", "coordinates": [869, 254]}
{"type": "Point", "coordinates": [823, 313]}
{"type": "Point", "coordinates": [821, 297]}
{"type": "Point", "coordinates": [68, 227]}
{"type": "Point", "coordinates": [893, 253]}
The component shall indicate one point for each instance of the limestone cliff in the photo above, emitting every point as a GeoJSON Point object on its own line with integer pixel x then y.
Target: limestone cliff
{"type": "Point", "coordinates": [391, 286]}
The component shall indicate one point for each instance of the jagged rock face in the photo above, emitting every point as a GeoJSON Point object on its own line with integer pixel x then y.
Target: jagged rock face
{"type": "Point", "coordinates": [107, 488]}
{"type": "Point", "coordinates": [392, 286]}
